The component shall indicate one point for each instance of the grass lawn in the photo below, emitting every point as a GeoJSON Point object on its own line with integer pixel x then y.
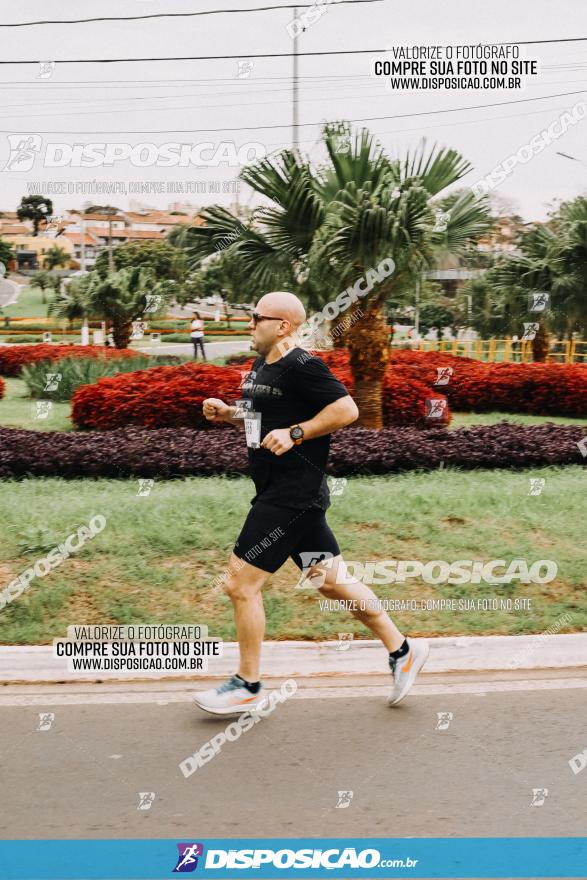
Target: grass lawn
{"type": "Point", "coordinates": [466, 420]}
{"type": "Point", "coordinates": [36, 338]}
{"type": "Point", "coordinates": [17, 410]}
{"type": "Point", "coordinates": [158, 556]}
{"type": "Point", "coordinates": [29, 304]}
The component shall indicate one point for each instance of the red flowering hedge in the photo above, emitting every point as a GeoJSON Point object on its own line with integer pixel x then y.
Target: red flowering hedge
{"type": "Point", "coordinates": [155, 398]}
{"type": "Point", "coordinates": [476, 386]}
{"type": "Point", "coordinates": [539, 389]}
{"type": "Point", "coordinates": [14, 357]}
{"type": "Point", "coordinates": [2, 388]}
{"type": "Point", "coordinates": [404, 395]}
{"type": "Point", "coordinates": [172, 397]}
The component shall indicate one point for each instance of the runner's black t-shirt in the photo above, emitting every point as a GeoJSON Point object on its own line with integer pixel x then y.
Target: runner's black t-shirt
{"type": "Point", "coordinates": [293, 389]}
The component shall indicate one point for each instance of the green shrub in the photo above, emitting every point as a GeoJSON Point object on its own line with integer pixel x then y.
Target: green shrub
{"type": "Point", "coordinates": [155, 326]}
{"type": "Point", "coordinates": [21, 338]}
{"type": "Point", "coordinates": [168, 360]}
{"type": "Point", "coordinates": [223, 325]}
{"type": "Point", "coordinates": [58, 337]}
{"type": "Point", "coordinates": [22, 325]}
{"type": "Point", "coordinates": [174, 337]}
{"type": "Point", "coordinates": [68, 374]}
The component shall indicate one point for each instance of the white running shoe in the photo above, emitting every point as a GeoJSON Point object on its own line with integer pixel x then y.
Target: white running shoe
{"type": "Point", "coordinates": [405, 670]}
{"type": "Point", "coordinates": [230, 698]}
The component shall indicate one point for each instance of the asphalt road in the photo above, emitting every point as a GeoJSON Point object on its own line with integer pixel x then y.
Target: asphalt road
{"type": "Point", "coordinates": [82, 777]}
{"type": "Point", "coordinates": [186, 349]}
{"type": "Point", "coordinates": [204, 310]}
{"type": "Point", "coordinates": [8, 290]}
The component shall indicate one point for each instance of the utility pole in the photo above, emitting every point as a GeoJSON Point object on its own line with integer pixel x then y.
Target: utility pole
{"type": "Point", "coordinates": [83, 244]}
{"type": "Point", "coordinates": [110, 255]}
{"type": "Point", "coordinates": [295, 121]}
{"type": "Point", "coordinates": [237, 204]}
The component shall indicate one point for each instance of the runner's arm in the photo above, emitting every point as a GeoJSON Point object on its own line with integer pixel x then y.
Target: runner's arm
{"type": "Point", "coordinates": [238, 423]}
{"type": "Point", "coordinates": [216, 410]}
{"type": "Point", "coordinates": [335, 415]}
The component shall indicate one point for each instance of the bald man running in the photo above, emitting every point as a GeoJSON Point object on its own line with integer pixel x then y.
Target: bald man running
{"type": "Point", "coordinates": [299, 403]}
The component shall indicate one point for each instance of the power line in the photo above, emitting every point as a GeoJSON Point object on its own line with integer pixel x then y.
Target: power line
{"type": "Point", "coordinates": [74, 85]}
{"type": "Point", "coordinates": [538, 42]}
{"type": "Point", "coordinates": [171, 109]}
{"type": "Point", "coordinates": [310, 124]}
{"type": "Point", "coordinates": [325, 83]}
{"type": "Point", "coordinates": [439, 125]}
{"type": "Point", "coordinates": [97, 83]}
{"type": "Point", "coordinates": [268, 54]}
{"type": "Point", "coordinates": [396, 131]}
{"type": "Point", "coordinates": [189, 81]}
{"type": "Point", "coordinates": [178, 14]}
{"type": "Point", "coordinates": [205, 94]}
{"type": "Point", "coordinates": [202, 57]}
{"type": "Point", "coordinates": [340, 96]}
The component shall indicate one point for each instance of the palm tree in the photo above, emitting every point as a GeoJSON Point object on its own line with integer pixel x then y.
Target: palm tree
{"type": "Point", "coordinates": [70, 302]}
{"type": "Point", "coordinates": [568, 261]}
{"type": "Point", "coordinates": [56, 256]}
{"type": "Point", "coordinates": [328, 225]}
{"type": "Point", "coordinates": [485, 306]}
{"type": "Point", "coordinates": [515, 277]}
{"type": "Point", "coordinates": [121, 298]}
{"type": "Point", "coordinates": [550, 258]}
{"type": "Point", "coordinates": [44, 281]}
{"type": "Point", "coordinates": [177, 235]}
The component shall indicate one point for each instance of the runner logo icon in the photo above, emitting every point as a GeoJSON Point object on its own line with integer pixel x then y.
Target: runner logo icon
{"type": "Point", "coordinates": [187, 860]}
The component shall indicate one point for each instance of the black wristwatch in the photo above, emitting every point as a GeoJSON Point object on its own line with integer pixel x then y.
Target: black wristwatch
{"type": "Point", "coordinates": [297, 434]}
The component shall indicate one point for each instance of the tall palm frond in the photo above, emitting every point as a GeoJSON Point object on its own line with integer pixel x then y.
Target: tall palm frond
{"type": "Point", "coordinates": [71, 301]}
{"type": "Point", "coordinates": [221, 229]}
{"type": "Point", "coordinates": [363, 227]}
{"type": "Point", "coordinates": [266, 265]}
{"type": "Point", "coordinates": [436, 168]}
{"type": "Point", "coordinates": [359, 160]}
{"type": "Point", "coordinates": [467, 218]}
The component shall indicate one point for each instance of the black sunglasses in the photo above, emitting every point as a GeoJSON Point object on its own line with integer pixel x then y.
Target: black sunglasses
{"type": "Point", "coordinates": [256, 317]}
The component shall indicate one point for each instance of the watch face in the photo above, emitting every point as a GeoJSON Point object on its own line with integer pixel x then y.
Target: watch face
{"type": "Point", "coordinates": [296, 433]}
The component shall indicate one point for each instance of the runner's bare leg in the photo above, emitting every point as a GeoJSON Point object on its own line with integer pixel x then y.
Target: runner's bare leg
{"type": "Point", "coordinates": [243, 586]}
{"type": "Point", "coordinates": [376, 619]}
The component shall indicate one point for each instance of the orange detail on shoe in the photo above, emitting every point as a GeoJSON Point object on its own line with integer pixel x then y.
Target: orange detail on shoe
{"type": "Point", "coordinates": [246, 700]}
{"type": "Point", "coordinates": [408, 665]}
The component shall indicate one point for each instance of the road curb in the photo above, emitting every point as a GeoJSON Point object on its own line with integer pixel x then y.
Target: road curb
{"type": "Point", "coordinates": [28, 664]}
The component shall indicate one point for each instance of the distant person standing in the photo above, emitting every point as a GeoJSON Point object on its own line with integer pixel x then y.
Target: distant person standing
{"type": "Point", "coordinates": [197, 336]}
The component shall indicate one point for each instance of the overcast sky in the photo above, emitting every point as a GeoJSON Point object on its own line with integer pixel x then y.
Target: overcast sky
{"type": "Point", "coordinates": [93, 100]}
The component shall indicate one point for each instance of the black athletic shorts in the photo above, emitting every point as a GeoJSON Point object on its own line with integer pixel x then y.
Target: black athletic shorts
{"type": "Point", "coordinates": [271, 534]}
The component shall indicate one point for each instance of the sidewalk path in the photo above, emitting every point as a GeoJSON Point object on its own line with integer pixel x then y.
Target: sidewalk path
{"type": "Point", "coordinates": [460, 654]}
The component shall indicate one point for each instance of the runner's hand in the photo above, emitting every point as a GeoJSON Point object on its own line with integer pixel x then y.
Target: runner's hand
{"type": "Point", "coordinates": [278, 441]}
{"type": "Point", "coordinates": [216, 410]}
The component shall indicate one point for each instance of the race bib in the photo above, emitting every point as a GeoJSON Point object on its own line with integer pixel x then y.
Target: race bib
{"type": "Point", "coordinates": [253, 429]}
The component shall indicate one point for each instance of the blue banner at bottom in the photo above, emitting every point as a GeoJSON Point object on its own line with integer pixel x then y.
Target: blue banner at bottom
{"type": "Point", "coordinates": [524, 857]}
